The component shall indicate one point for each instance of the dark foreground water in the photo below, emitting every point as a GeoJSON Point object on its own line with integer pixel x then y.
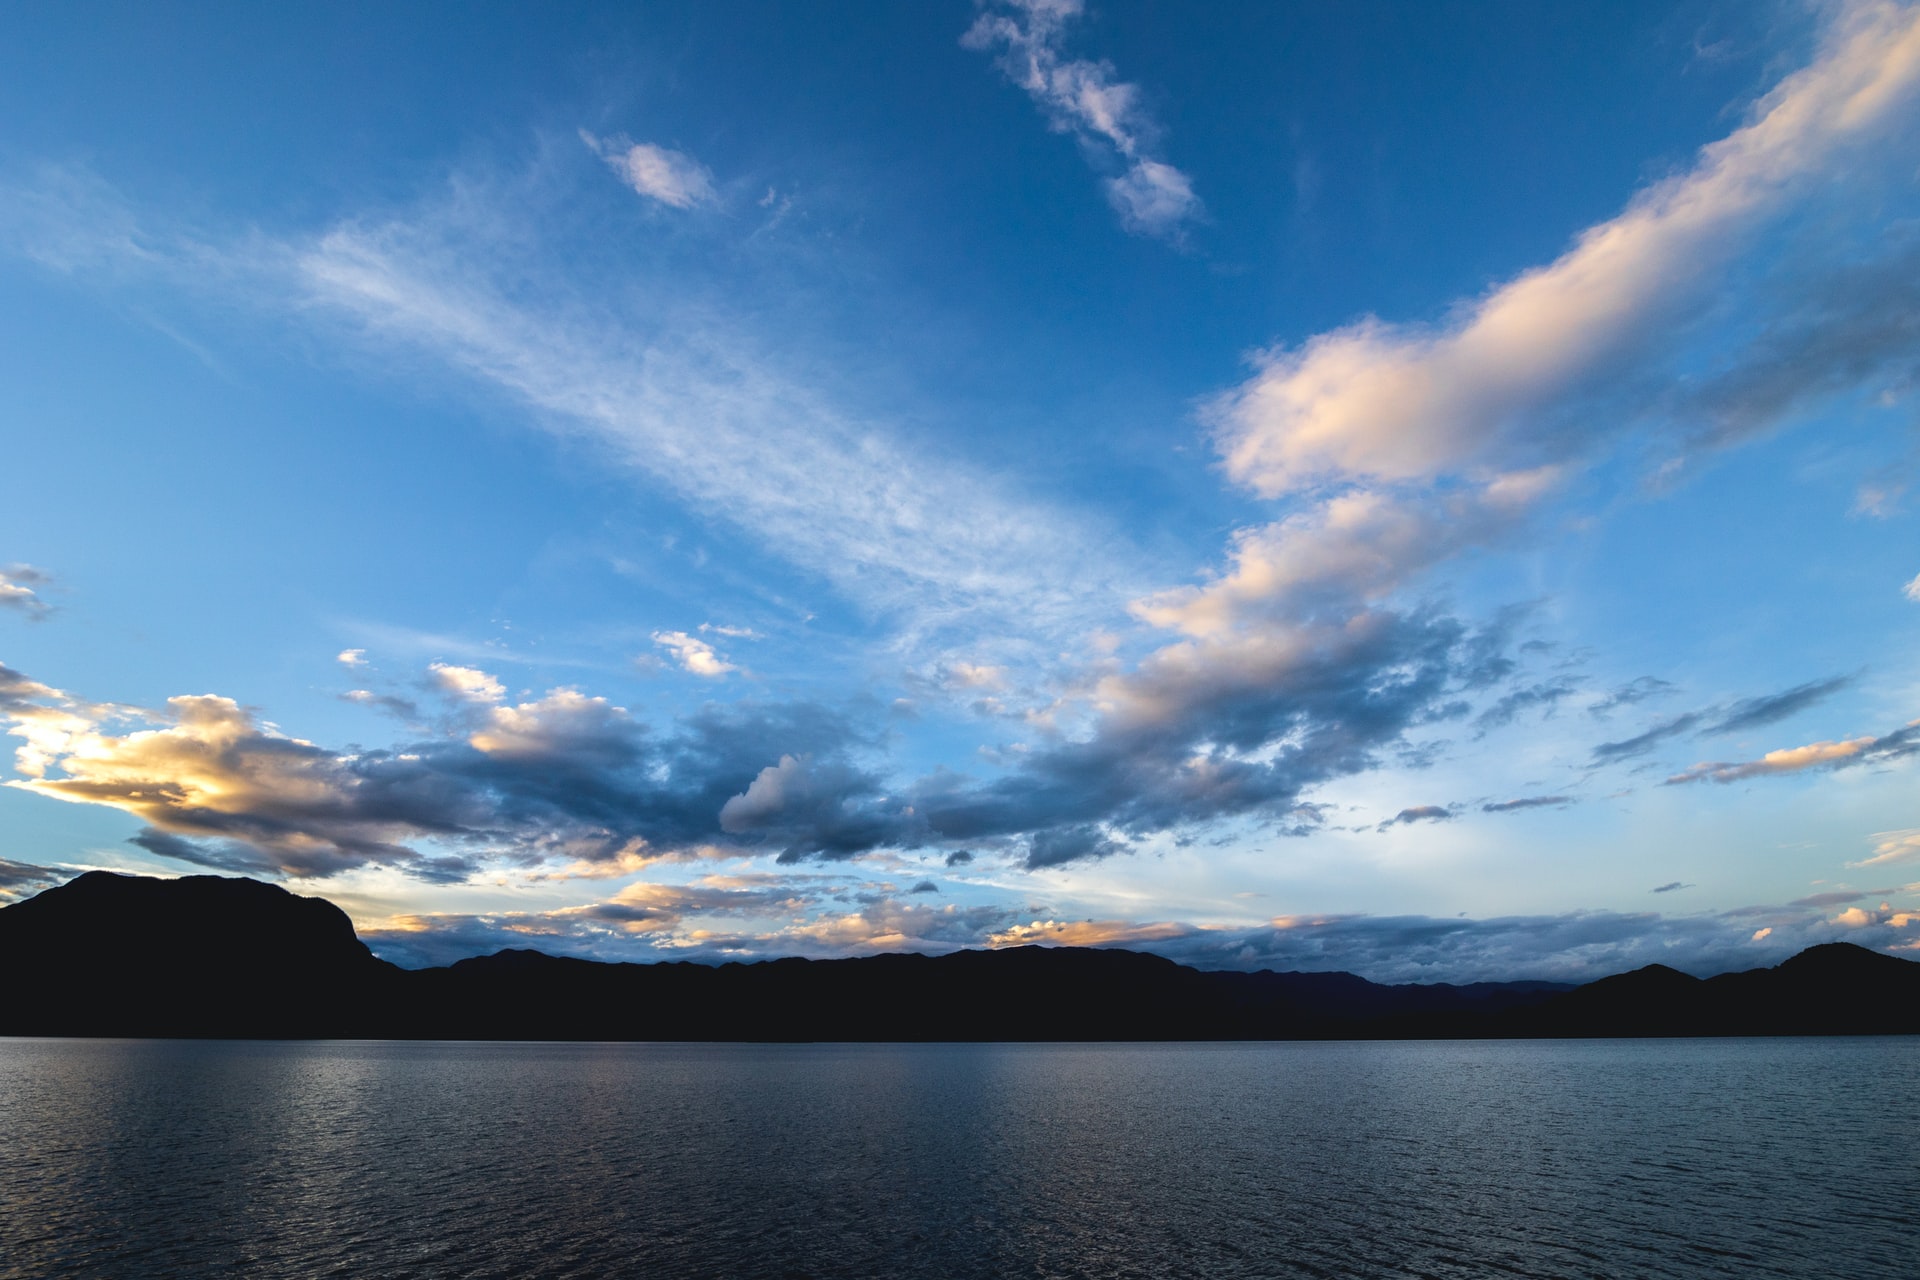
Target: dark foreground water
{"type": "Point", "coordinates": [1625, 1158]}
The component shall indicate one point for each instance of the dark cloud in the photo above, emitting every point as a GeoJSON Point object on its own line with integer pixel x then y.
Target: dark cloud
{"type": "Point", "coordinates": [1545, 694]}
{"type": "Point", "coordinates": [1632, 692]}
{"type": "Point", "coordinates": [19, 879]}
{"type": "Point", "coordinates": [19, 695]}
{"type": "Point", "coordinates": [1747, 713]}
{"type": "Point", "coordinates": [959, 858]}
{"type": "Point", "coordinates": [1420, 813]}
{"type": "Point", "coordinates": [1528, 802]}
{"type": "Point", "coordinates": [925, 886]}
{"type": "Point", "coordinates": [565, 777]}
{"type": "Point", "coordinates": [20, 587]}
{"type": "Point", "coordinates": [1837, 899]}
{"type": "Point", "coordinates": [1218, 729]}
{"type": "Point", "coordinates": [1853, 323]}
{"type": "Point", "coordinates": [1669, 887]}
{"type": "Point", "coordinates": [1755, 713]}
{"type": "Point", "coordinates": [405, 710]}
{"type": "Point", "coordinates": [1640, 744]}
{"type": "Point", "coordinates": [1057, 845]}
{"type": "Point", "coordinates": [1236, 726]}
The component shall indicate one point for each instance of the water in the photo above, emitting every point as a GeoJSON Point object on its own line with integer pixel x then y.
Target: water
{"type": "Point", "coordinates": [1621, 1158]}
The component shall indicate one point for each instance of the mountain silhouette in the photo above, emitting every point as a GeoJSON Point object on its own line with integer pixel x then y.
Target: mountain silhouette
{"type": "Point", "coordinates": [116, 955]}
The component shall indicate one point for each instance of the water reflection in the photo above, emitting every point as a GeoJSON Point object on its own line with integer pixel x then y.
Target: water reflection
{"type": "Point", "coordinates": [1740, 1158]}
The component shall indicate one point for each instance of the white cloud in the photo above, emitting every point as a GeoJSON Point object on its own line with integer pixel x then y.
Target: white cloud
{"type": "Point", "coordinates": [671, 177]}
{"type": "Point", "coordinates": [693, 654]}
{"type": "Point", "coordinates": [1359, 545]}
{"type": "Point", "coordinates": [1388, 403]}
{"type": "Point", "coordinates": [1893, 846]}
{"type": "Point", "coordinates": [1083, 98]}
{"type": "Point", "coordinates": [1912, 589]}
{"type": "Point", "coordinates": [469, 683]}
{"type": "Point", "coordinates": [352, 658]}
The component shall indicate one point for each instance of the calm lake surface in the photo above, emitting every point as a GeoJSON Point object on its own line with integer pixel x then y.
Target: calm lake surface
{"type": "Point", "coordinates": [1608, 1158]}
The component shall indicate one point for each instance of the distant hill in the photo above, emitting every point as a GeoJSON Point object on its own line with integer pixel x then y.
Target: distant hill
{"type": "Point", "coordinates": [114, 955]}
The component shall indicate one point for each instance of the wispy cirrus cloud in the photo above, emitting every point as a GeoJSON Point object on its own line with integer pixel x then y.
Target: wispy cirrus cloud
{"type": "Point", "coordinates": [1085, 99]}
{"type": "Point", "coordinates": [688, 400]}
{"type": "Point", "coordinates": [1893, 846]}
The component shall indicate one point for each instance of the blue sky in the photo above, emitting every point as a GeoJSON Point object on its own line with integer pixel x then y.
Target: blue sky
{"type": "Point", "coordinates": [1415, 489]}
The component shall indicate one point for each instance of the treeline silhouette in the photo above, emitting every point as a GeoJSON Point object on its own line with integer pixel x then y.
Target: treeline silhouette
{"type": "Point", "coordinates": [116, 955]}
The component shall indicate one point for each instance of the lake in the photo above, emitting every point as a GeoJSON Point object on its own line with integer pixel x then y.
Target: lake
{"type": "Point", "coordinates": [1787, 1157]}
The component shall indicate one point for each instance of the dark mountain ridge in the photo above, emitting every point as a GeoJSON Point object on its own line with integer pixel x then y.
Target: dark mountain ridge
{"type": "Point", "coordinates": [114, 955]}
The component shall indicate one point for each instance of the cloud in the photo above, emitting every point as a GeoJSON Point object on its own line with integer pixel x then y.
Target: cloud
{"type": "Point", "coordinates": [1844, 324]}
{"type": "Point", "coordinates": [1208, 729]}
{"type": "Point", "coordinates": [23, 879]}
{"type": "Point", "coordinates": [1827, 899]}
{"type": "Point", "coordinates": [352, 658]}
{"type": "Point", "coordinates": [693, 654]}
{"type": "Point", "coordinates": [982, 677]}
{"type": "Point", "coordinates": [402, 708]}
{"type": "Point", "coordinates": [20, 586]}
{"type": "Point", "coordinates": [672, 177]}
{"type": "Point", "coordinates": [1638, 690]}
{"type": "Point", "coordinates": [1670, 887]}
{"type": "Point", "coordinates": [1755, 713]}
{"type": "Point", "coordinates": [1419, 813]}
{"type": "Point", "coordinates": [801, 918]}
{"type": "Point", "coordinates": [1493, 386]}
{"type": "Point", "coordinates": [716, 918]}
{"type": "Point", "coordinates": [1359, 545]}
{"type": "Point", "coordinates": [1572, 947]}
{"type": "Point", "coordinates": [817, 807]}
{"type": "Point", "coordinates": [1891, 847]}
{"type": "Point", "coordinates": [1745, 714]}
{"type": "Point", "coordinates": [468, 683]}
{"type": "Point", "coordinates": [1912, 590]}
{"type": "Point", "coordinates": [558, 781]}
{"type": "Point", "coordinates": [680, 391]}
{"type": "Point", "coordinates": [959, 858]}
{"type": "Point", "coordinates": [1528, 802]}
{"type": "Point", "coordinates": [1546, 693]}
{"type": "Point", "coordinates": [1641, 743]}
{"type": "Point", "coordinates": [1084, 99]}
{"type": "Point", "coordinates": [1815, 755]}
{"type": "Point", "coordinates": [925, 886]}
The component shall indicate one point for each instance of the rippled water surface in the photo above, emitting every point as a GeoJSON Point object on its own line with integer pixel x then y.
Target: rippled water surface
{"type": "Point", "coordinates": [1622, 1158]}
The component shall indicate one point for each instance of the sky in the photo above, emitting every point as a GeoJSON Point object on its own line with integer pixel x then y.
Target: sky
{"type": "Point", "coordinates": [1427, 490]}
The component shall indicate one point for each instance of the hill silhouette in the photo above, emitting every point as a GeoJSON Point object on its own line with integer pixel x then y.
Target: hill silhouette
{"type": "Point", "coordinates": [115, 955]}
